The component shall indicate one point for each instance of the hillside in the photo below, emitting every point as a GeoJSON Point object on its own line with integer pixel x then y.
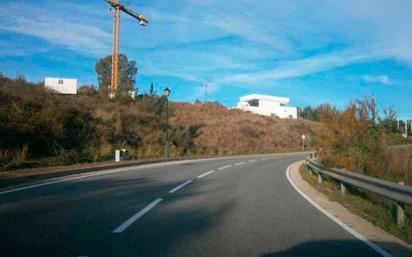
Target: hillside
{"type": "Point", "coordinates": [41, 128]}
{"type": "Point", "coordinates": [225, 131]}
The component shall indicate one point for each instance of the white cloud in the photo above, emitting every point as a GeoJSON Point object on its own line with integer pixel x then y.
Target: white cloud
{"type": "Point", "coordinates": [306, 66]}
{"type": "Point", "coordinates": [273, 40]}
{"type": "Point", "coordinates": [60, 27]}
{"type": "Point", "coordinates": [382, 79]}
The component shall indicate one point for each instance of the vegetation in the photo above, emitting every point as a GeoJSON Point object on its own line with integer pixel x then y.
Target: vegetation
{"type": "Point", "coordinates": [317, 113]}
{"type": "Point", "coordinates": [41, 128]}
{"type": "Point", "coordinates": [382, 213]}
{"type": "Point", "coordinates": [127, 75]}
{"type": "Point", "coordinates": [222, 131]}
{"type": "Point", "coordinates": [358, 139]}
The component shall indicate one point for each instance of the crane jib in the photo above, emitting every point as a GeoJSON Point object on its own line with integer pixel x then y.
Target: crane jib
{"type": "Point", "coordinates": [127, 10]}
{"type": "Point", "coordinates": [133, 13]}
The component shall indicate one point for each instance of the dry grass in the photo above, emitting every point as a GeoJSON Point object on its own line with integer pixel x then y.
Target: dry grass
{"type": "Point", "coordinates": [400, 165]}
{"type": "Point", "coordinates": [40, 128]}
{"type": "Point", "coordinates": [379, 211]}
{"type": "Point", "coordinates": [225, 131]}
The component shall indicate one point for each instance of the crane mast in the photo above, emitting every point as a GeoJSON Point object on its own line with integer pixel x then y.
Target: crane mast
{"type": "Point", "coordinates": [115, 52]}
{"type": "Point", "coordinates": [116, 27]}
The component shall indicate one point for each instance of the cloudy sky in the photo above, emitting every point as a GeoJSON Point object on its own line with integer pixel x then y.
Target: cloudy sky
{"type": "Point", "coordinates": [311, 51]}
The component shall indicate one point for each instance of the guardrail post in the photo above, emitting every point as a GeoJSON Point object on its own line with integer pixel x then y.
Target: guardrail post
{"type": "Point", "coordinates": [342, 189]}
{"type": "Point", "coordinates": [400, 214]}
{"type": "Point", "coordinates": [320, 179]}
{"type": "Point", "coordinates": [400, 211]}
{"type": "Point", "coordinates": [309, 168]}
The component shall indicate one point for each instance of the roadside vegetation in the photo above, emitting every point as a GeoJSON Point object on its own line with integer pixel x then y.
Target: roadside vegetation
{"type": "Point", "coordinates": [360, 140]}
{"type": "Point", "coordinates": [381, 212]}
{"type": "Point", "coordinates": [41, 128]}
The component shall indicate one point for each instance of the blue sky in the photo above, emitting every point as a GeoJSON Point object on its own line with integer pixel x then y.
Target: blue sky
{"type": "Point", "coordinates": [311, 51]}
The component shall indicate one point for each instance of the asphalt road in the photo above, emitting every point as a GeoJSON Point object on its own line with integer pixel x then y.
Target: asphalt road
{"type": "Point", "coordinates": [246, 209]}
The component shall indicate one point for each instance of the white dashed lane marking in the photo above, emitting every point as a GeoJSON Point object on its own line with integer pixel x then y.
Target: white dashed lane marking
{"type": "Point", "coordinates": [180, 186]}
{"type": "Point", "coordinates": [205, 174]}
{"type": "Point", "coordinates": [225, 167]}
{"type": "Point", "coordinates": [137, 216]}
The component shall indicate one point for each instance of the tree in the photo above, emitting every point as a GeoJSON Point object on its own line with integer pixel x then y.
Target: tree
{"type": "Point", "coordinates": [322, 112]}
{"type": "Point", "coordinates": [389, 121]}
{"type": "Point", "coordinates": [89, 90]}
{"type": "Point", "coordinates": [152, 91]}
{"type": "Point", "coordinates": [309, 113]}
{"type": "Point", "coordinates": [127, 74]}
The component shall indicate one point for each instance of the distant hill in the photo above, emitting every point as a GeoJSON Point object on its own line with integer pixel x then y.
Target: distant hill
{"type": "Point", "coordinates": [231, 131]}
{"type": "Point", "coordinates": [42, 128]}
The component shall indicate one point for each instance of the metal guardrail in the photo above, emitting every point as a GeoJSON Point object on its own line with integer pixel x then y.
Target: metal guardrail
{"type": "Point", "coordinates": [399, 193]}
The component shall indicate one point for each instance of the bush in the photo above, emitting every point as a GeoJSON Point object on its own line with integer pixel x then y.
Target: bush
{"type": "Point", "coordinates": [360, 141]}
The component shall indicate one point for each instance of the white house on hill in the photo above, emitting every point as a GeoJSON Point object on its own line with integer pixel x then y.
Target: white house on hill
{"type": "Point", "coordinates": [268, 105]}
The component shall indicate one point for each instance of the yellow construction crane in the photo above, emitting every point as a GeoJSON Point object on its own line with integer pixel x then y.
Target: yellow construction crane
{"type": "Point", "coordinates": [116, 22]}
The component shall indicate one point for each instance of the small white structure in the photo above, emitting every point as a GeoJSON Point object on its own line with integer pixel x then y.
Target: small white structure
{"type": "Point", "coordinates": [61, 85]}
{"type": "Point", "coordinates": [268, 105]}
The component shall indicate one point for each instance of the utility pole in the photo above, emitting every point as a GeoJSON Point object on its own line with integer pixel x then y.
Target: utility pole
{"type": "Point", "coordinates": [411, 126]}
{"type": "Point", "coordinates": [205, 93]}
{"type": "Point", "coordinates": [406, 127]}
{"type": "Point", "coordinates": [410, 123]}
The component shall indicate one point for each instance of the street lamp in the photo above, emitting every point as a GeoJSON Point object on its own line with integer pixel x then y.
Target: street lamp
{"type": "Point", "coordinates": [166, 94]}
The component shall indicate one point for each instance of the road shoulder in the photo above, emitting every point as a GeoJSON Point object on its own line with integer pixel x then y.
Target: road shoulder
{"type": "Point", "coordinates": [388, 242]}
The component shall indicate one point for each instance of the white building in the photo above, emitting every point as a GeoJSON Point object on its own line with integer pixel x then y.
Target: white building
{"type": "Point", "coordinates": [61, 85]}
{"type": "Point", "coordinates": [268, 105]}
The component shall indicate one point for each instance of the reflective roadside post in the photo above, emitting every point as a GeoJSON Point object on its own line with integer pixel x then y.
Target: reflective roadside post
{"type": "Point", "coordinates": [166, 94]}
{"type": "Point", "coordinates": [303, 142]}
{"type": "Point", "coordinates": [117, 155]}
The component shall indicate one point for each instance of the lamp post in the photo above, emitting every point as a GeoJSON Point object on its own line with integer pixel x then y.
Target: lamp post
{"type": "Point", "coordinates": [166, 94]}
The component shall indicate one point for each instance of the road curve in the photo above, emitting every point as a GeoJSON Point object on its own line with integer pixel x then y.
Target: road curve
{"type": "Point", "coordinates": [223, 207]}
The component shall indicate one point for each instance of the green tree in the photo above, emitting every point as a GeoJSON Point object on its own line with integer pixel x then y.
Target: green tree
{"type": "Point", "coordinates": [309, 113]}
{"type": "Point", "coordinates": [152, 91]}
{"type": "Point", "coordinates": [127, 74]}
{"type": "Point", "coordinates": [389, 121]}
{"type": "Point", "coordinates": [89, 90]}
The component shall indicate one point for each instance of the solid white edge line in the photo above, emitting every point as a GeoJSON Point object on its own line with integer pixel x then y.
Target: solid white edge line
{"type": "Point", "coordinates": [225, 167]}
{"type": "Point", "coordinates": [180, 186]}
{"type": "Point", "coordinates": [135, 217]}
{"type": "Point", "coordinates": [356, 234]}
{"type": "Point", "coordinates": [28, 187]}
{"type": "Point", "coordinates": [205, 174]}
{"type": "Point", "coordinates": [94, 174]}
{"type": "Point", "coordinates": [252, 161]}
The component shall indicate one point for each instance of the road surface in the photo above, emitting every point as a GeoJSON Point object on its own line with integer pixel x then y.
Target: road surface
{"type": "Point", "coordinates": [240, 206]}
